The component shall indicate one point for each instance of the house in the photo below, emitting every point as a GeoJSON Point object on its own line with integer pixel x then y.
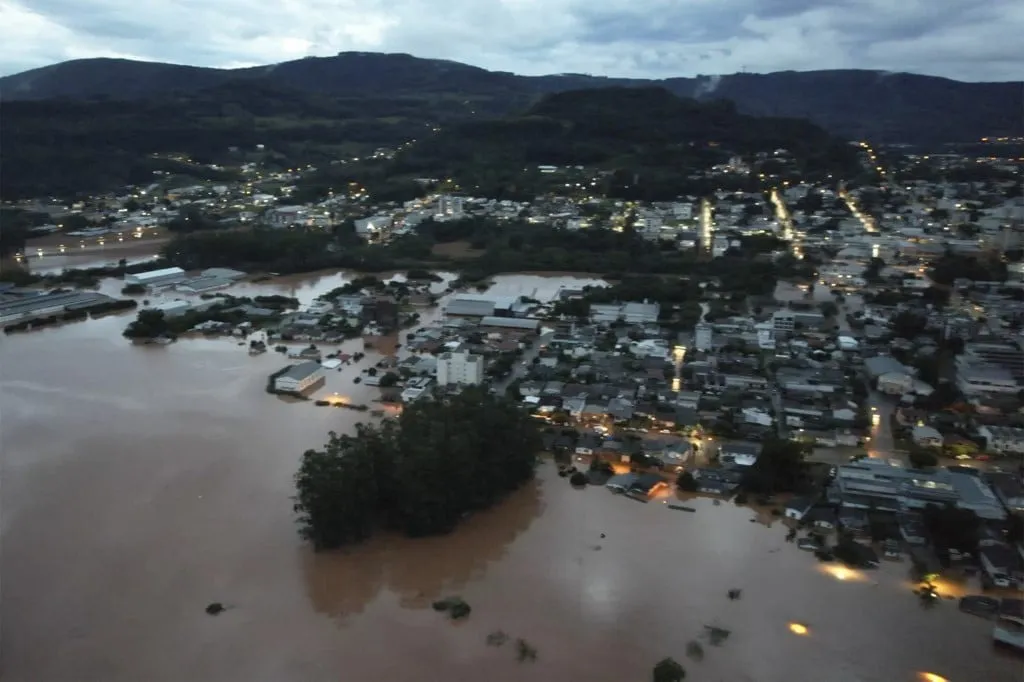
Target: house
{"type": "Point", "coordinates": [1008, 488]}
{"type": "Point", "coordinates": [416, 388]}
{"type": "Point", "coordinates": [710, 486]}
{"type": "Point", "coordinates": [621, 483]}
{"type": "Point", "coordinates": [298, 378]}
{"type": "Point", "coordinates": [1002, 565]}
{"type": "Point", "coordinates": [926, 436]}
{"type": "Point", "coordinates": [1003, 439]}
{"type": "Point", "coordinates": [821, 517]}
{"type": "Point", "coordinates": [798, 507]}
{"type": "Point", "coordinates": [884, 364]}
{"type": "Point", "coordinates": [646, 485]}
{"type": "Point", "coordinates": [740, 453]}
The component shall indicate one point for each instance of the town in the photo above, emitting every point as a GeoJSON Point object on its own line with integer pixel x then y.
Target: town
{"type": "Point", "coordinates": [868, 388]}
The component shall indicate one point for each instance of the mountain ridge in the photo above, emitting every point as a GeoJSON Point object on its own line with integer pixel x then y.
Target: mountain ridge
{"type": "Point", "coordinates": [883, 106]}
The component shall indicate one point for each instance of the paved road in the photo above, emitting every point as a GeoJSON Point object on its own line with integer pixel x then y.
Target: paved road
{"type": "Point", "coordinates": [519, 370]}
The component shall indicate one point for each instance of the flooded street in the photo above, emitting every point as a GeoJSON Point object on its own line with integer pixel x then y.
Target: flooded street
{"type": "Point", "coordinates": [142, 483]}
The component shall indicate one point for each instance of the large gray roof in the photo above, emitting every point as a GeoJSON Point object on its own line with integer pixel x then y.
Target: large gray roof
{"type": "Point", "coordinates": [510, 322]}
{"type": "Point", "coordinates": [301, 370]}
{"type": "Point", "coordinates": [469, 307]}
{"type": "Point", "coordinates": [884, 364]}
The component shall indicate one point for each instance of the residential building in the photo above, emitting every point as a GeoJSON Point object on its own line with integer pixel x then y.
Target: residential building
{"type": "Point", "coordinates": [926, 436]}
{"type": "Point", "coordinates": [631, 312]}
{"type": "Point", "coordinates": [286, 216]}
{"type": "Point", "coordinates": [740, 453]}
{"type": "Point", "coordinates": [463, 369]}
{"type": "Point", "coordinates": [299, 377]}
{"type": "Point", "coordinates": [788, 320]}
{"type": "Point", "coordinates": [703, 336]}
{"type": "Point", "coordinates": [450, 206]}
{"type": "Point", "coordinates": [416, 388]}
{"type": "Point", "coordinates": [1003, 439]}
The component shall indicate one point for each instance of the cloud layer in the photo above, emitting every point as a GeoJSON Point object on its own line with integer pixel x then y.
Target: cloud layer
{"type": "Point", "coordinates": [964, 39]}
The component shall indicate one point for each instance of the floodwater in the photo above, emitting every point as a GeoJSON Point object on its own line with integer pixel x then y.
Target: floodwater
{"type": "Point", "coordinates": [142, 483]}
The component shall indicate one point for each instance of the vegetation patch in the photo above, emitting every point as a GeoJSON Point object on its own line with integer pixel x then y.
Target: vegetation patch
{"type": "Point", "coordinates": [415, 474]}
{"type": "Point", "coordinates": [455, 607]}
{"type": "Point", "coordinates": [525, 652]}
{"type": "Point", "coordinates": [716, 635]}
{"type": "Point", "coordinates": [668, 670]}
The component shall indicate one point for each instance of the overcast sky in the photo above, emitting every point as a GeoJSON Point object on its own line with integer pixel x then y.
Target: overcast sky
{"type": "Point", "coordinates": [963, 39]}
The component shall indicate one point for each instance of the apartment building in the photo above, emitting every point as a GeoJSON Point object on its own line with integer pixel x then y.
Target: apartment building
{"type": "Point", "coordinates": [460, 368]}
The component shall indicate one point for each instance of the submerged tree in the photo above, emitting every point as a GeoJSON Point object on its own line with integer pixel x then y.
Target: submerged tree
{"type": "Point", "coordinates": [419, 474]}
{"type": "Point", "coordinates": [668, 670]}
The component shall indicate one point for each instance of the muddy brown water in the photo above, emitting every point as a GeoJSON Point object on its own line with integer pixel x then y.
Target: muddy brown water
{"type": "Point", "coordinates": [140, 484]}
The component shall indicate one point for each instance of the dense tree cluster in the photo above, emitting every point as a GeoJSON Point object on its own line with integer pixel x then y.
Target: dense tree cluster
{"type": "Point", "coordinates": [952, 528]}
{"type": "Point", "coordinates": [779, 468]}
{"type": "Point", "coordinates": [647, 140]}
{"type": "Point", "coordinates": [509, 246]}
{"type": "Point", "coordinates": [419, 474]}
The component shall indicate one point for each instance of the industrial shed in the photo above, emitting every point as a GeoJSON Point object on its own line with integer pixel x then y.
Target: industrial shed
{"type": "Point", "coordinates": [518, 323]}
{"type": "Point", "coordinates": [465, 306]}
{"type": "Point", "coordinates": [156, 277]}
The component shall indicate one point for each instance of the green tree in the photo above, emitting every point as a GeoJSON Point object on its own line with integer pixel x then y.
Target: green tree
{"type": "Point", "coordinates": [922, 458]}
{"type": "Point", "coordinates": [779, 467]}
{"type": "Point", "coordinates": [686, 482]}
{"type": "Point", "coordinates": [668, 670]}
{"type": "Point", "coordinates": [952, 528]}
{"type": "Point", "coordinates": [419, 474]}
{"type": "Point", "coordinates": [148, 324]}
{"type": "Point", "coordinates": [337, 493]}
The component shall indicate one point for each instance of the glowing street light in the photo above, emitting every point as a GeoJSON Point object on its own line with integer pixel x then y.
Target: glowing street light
{"type": "Point", "coordinates": [799, 629]}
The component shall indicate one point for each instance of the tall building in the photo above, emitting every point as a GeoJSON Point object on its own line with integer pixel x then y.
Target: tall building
{"type": "Point", "coordinates": [450, 206]}
{"type": "Point", "coordinates": [703, 336]}
{"type": "Point", "coordinates": [460, 368]}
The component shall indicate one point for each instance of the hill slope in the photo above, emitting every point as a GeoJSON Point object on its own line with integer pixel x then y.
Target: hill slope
{"type": "Point", "coordinates": [882, 107]}
{"type": "Point", "coordinates": [635, 143]}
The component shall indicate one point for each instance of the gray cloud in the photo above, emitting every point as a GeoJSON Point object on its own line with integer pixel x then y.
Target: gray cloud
{"type": "Point", "coordinates": [964, 39]}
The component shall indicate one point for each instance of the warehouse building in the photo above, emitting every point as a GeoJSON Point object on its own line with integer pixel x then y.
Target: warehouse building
{"type": "Point", "coordinates": [510, 323]}
{"type": "Point", "coordinates": [198, 285]}
{"type": "Point", "coordinates": [155, 278]}
{"type": "Point", "coordinates": [39, 304]}
{"type": "Point", "coordinates": [299, 378]}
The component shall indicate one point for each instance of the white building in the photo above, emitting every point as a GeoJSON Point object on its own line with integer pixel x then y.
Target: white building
{"type": "Point", "coordinates": [285, 216]}
{"type": "Point", "coordinates": [173, 308]}
{"type": "Point", "coordinates": [703, 336]}
{"type": "Point", "coordinates": [300, 377]}
{"type": "Point", "coordinates": [631, 312]}
{"type": "Point", "coordinates": [160, 277]}
{"type": "Point", "coordinates": [415, 388]}
{"type": "Point", "coordinates": [1003, 439]}
{"type": "Point", "coordinates": [448, 205]}
{"type": "Point", "coordinates": [464, 369]}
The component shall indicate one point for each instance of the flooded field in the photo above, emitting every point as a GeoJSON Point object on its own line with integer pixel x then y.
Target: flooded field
{"type": "Point", "coordinates": [141, 483]}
